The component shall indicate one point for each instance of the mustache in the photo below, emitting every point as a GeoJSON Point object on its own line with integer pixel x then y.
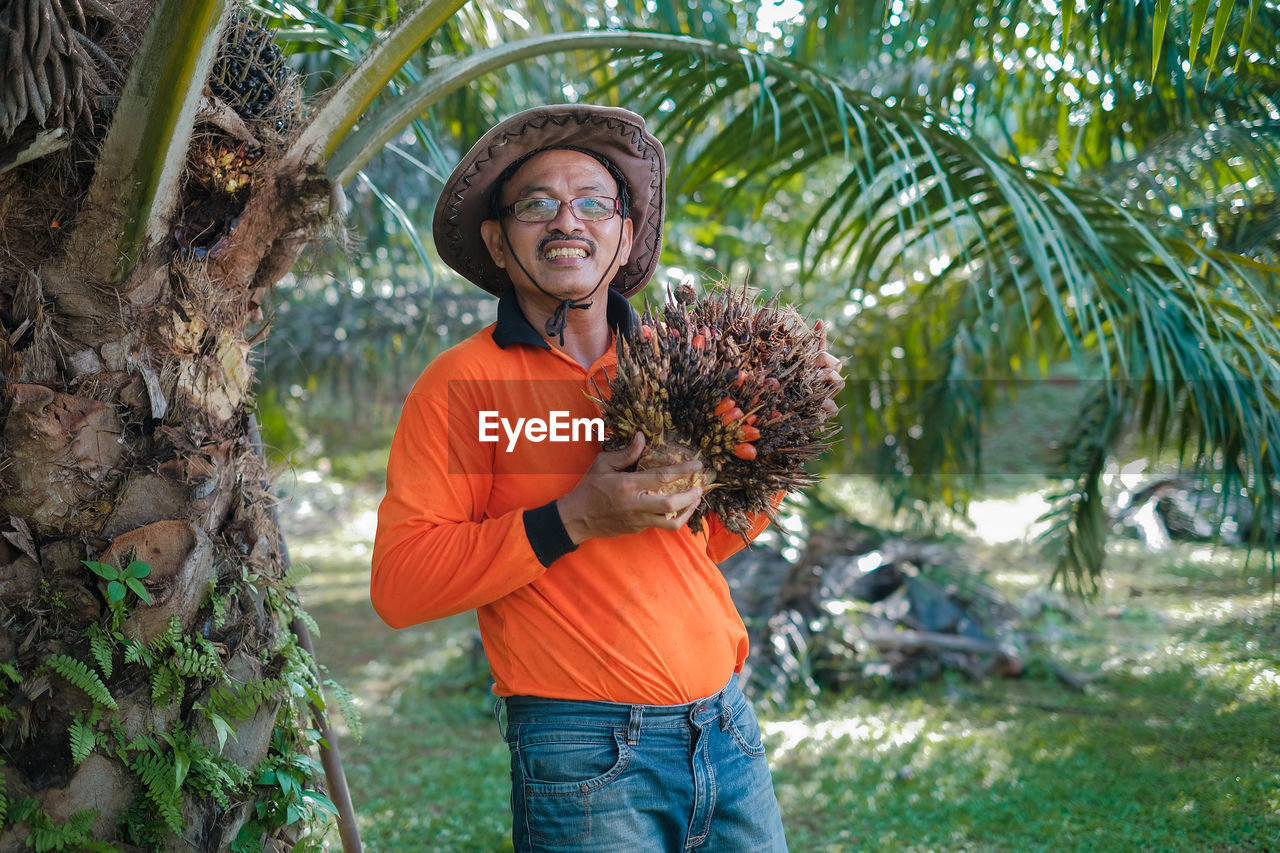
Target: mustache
{"type": "Point", "coordinates": [560, 235]}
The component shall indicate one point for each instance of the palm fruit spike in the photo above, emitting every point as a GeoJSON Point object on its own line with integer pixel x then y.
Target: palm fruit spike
{"type": "Point", "coordinates": [250, 69]}
{"type": "Point", "coordinates": [727, 381]}
{"type": "Point", "coordinates": [49, 68]}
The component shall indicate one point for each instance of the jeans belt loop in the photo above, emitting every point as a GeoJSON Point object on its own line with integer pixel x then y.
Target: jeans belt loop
{"type": "Point", "coordinates": [633, 726]}
{"type": "Point", "coordinates": [498, 707]}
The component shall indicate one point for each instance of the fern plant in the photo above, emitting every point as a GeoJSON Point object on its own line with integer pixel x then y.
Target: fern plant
{"type": "Point", "coordinates": [7, 715]}
{"type": "Point", "coordinates": [350, 711]}
{"type": "Point", "coordinates": [243, 701]}
{"type": "Point", "coordinates": [169, 765]}
{"type": "Point", "coordinates": [160, 778]}
{"type": "Point", "coordinates": [218, 602]}
{"type": "Point", "coordinates": [173, 658]}
{"type": "Point", "coordinates": [49, 837]}
{"type": "Point", "coordinates": [71, 835]}
{"type": "Point", "coordinates": [102, 646]}
{"type": "Point", "coordinates": [9, 671]}
{"type": "Point", "coordinates": [179, 765]}
{"type": "Point", "coordinates": [195, 657]}
{"type": "Point", "coordinates": [78, 673]}
{"type": "Point", "coordinates": [215, 778]}
{"type": "Point", "coordinates": [85, 737]}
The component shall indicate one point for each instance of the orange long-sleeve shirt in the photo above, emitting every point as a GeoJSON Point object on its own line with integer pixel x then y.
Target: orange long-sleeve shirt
{"type": "Point", "coordinates": [470, 523]}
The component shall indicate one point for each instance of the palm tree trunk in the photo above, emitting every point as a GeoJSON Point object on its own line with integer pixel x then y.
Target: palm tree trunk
{"type": "Point", "coordinates": [125, 399]}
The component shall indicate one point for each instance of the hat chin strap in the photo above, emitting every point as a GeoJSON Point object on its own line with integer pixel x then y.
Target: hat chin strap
{"type": "Point", "coordinates": [556, 322]}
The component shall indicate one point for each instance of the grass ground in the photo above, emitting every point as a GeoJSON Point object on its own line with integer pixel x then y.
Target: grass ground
{"type": "Point", "coordinates": [1174, 746]}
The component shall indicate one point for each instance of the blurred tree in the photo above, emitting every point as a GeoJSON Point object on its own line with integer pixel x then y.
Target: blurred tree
{"type": "Point", "coordinates": [996, 188]}
{"type": "Point", "coordinates": [977, 193]}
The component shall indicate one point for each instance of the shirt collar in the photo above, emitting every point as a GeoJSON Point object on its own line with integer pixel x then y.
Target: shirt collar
{"type": "Point", "coordinates": [514, 328]}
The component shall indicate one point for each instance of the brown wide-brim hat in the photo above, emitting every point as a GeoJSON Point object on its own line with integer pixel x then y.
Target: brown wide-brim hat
{"type": "Point", "coordinates": [616, 134]}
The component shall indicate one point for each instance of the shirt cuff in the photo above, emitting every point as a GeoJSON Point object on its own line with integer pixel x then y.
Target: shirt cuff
{"type": "Point", "coordinates": [546, 534]}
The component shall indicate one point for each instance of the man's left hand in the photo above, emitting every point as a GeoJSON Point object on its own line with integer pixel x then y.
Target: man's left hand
{"type": "Point", "coordinates": [829, 373]}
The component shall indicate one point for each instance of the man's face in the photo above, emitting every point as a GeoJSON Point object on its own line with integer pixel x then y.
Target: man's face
{"type": "Point", "coordinates": [567, 256]}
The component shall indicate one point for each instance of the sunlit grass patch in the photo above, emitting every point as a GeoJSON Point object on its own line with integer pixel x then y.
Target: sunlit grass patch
{"type": "Point", "coordinates": [984, 769]}
{"type": "Point", "coordinates": [1173, 746]}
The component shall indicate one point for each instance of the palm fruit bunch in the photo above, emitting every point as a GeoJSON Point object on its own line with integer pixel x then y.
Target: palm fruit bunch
{"type": "Point", "coordinates": [223, 165]}
{"type": "Point", "coordinates": [733, 383]}
{"type": "Point", "coordinates": [250, 70]}
{"type": "Point", "coordinates": [48, 69]}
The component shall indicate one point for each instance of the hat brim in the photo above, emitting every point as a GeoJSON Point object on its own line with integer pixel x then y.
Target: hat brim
{"type": "Point", "coordinates": [618, 135]}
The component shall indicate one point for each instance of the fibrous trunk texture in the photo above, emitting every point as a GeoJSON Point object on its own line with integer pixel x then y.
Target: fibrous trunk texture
{"type": "Point", "coordinates": [126, 442]}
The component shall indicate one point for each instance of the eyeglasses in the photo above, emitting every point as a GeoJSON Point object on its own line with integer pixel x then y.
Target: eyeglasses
{"type": "Point", "coordinates": [591, 208]}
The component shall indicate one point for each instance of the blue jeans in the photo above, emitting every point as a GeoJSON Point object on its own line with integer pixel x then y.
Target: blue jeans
{"type": "Point", "coordinates": [606, 777]}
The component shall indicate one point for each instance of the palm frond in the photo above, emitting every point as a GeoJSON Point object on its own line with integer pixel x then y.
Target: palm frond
{"type": "Point", "coordinates": [1071, 88]}
{"type": "Point", "coordinates": [387, 121]}
{"type": "Point", "coordinates": [1014, 252]}
{"type": "Point", "coordinates": [955, 200]}
{"type": "Point", "coordinates": [139, 169]}
{"type": "Point", "coordinates": [1210, 181]}
{"type": "Point", "coordinates": [357, 89]}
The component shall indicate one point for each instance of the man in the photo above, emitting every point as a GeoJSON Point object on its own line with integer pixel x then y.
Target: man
{"type": "Point", "coordinates": [611, 635]}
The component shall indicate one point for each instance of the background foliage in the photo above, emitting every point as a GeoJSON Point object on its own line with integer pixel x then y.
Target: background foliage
{"type": "Point", "coordinates": [977, 194]}
{"type": "Point", "coordinates": [985, 197]}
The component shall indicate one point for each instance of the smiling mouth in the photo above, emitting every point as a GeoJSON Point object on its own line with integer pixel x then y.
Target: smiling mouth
{"type": "Point", "coordinates": [564, 252]}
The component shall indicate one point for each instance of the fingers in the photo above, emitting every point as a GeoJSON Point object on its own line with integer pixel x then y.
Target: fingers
{"type": "Point", "coordinates": [833, 377]}
{"type": "Point", "coordinates": [826, 361]}
{"type": "Point", "coordinates": [656, 493]}
{"type": "Point", "coordinates": [683, 518]}
{"type": "Point", "coordinates": [610, 500]}
{"type": "Point", "coordinates": [670, 511]}
{"type": "Point", "coordinates": [621, 460]}
{"type": "Point", "coordinates": [829, 368]}
{"type": "Point", "coordinates": [654, 479]}
{"type": "Point", "coordinates": [668, 505]}
{"type": "Point", "coordinates": [633, 450]}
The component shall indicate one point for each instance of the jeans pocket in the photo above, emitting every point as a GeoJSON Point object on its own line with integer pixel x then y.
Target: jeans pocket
{"type": "Point", "coordinates": [554, 771]}
{"type": "Point", "coordinates": [745, 729]}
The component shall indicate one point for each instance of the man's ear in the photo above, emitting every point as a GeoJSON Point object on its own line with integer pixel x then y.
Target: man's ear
{"type": "Point", "coordinates": [491, 233]}
{"type": "Point", "coordinates": [624, 248]}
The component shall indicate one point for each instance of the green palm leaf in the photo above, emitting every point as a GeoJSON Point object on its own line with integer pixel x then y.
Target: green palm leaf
{"type": "Point", "coordinates": [984, 207]}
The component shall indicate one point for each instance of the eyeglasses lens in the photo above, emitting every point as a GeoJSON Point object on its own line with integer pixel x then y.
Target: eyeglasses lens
{"type": "Point", "coordinates": [587, 209]}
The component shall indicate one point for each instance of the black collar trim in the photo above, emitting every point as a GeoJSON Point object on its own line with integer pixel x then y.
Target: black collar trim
{"type": "Point", "coordinates": [514, 328]}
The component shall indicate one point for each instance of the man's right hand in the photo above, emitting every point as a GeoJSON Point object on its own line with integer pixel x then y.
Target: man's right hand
{"type": "Point", "coordinates": [612, 501]}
